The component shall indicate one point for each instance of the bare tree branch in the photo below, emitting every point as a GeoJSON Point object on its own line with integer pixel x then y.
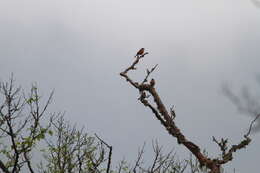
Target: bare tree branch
{"type": "Point", "coordinates": [251, 124]}
{"type": "Point", "coordinates": [167, 120]}
{"type": "Point", "coordinates": [109, 155]}
{"type": "Point", "coordinates": [139, 157]}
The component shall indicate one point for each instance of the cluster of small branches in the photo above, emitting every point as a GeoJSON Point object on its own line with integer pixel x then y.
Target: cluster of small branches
{"type": "Point", "coordinates": [21, 126]}
{"type": "Point", "coordinates": [72, 150]}
{"type": "Point", "coordinates": [160, 163]}
{"type": "Point", "coordinates": [147, 89]}
{"type": "Point", "coordinates": [27, 129]}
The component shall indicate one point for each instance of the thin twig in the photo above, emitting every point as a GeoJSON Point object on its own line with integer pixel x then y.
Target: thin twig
{"type": "Point", "coordinates": [139, 157]}
{"type": "Point", "coordinates": [251, 124]}
{"type": "Point", "coordinates": [148, 72]}
{"type": "Point", "coordinates": [109, 155]}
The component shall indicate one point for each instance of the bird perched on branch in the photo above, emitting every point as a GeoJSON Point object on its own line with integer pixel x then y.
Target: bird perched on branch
{"type": "Point", "coordinates": [140, 52]}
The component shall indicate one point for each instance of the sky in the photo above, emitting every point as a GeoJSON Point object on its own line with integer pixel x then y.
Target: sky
{"type": "Point", "coordinates": [79, 48]}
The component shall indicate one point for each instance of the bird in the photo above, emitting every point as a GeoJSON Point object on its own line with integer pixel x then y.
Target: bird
{"type": "Point", "coordinates": [140, 52]}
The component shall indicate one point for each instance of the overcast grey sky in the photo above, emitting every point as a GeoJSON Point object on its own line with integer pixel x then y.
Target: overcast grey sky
{"type": "Point", "coordinates": [79, 47]}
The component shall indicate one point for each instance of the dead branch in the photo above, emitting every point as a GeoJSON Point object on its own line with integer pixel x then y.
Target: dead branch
{"type": "Point", "coordinates": [251, 124]}
{"type": "Point", "coordinates": [148, 72]}
{"type": "Point", "coordinates": [229, 155]}
{"type": "Point", "coordinates": [222, 144]}
{"type": "Point", "coordinates": [167, 120]}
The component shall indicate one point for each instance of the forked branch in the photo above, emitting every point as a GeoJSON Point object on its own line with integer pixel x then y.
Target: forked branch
{"type": "Point", "coordinates": [167, 120]}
